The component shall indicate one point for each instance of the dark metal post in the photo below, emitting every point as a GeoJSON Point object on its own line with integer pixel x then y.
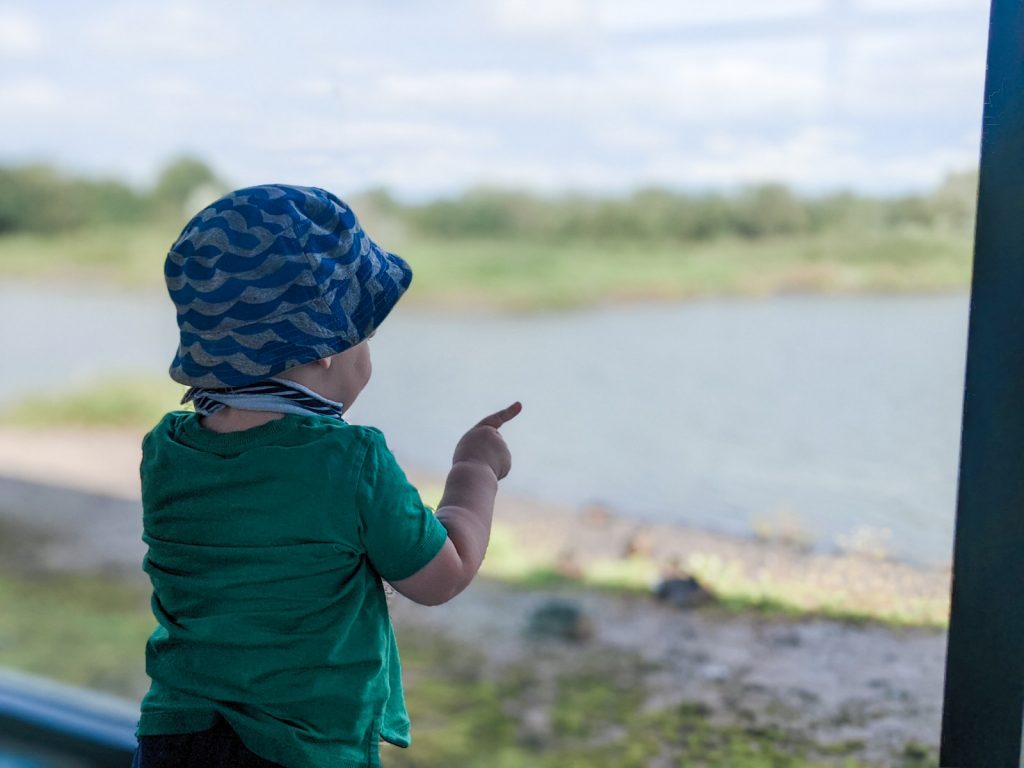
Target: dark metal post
{"type": "Point", "coordinates": [984, 695]}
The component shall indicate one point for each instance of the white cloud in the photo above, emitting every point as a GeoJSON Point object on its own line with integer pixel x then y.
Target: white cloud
{"type": "Point", "coordinates": [182, 30]}
{"type": "Point", "coordinates": [171, 87]}
{"type": "Point", "coordinates": [571, 17]}
{"type": "Point", "coordinates": [733, 83]}
{"type": "Point", "coordinates": [808, 156]}
{"type": "Point", "coordinates": [658, 14]}
{"type": "Point", "coordinates": [317, 87]}
{"type": "Point", "coordinates": [455, 88]}
{"type": "Point", "coordinates": [29, 97]}
{"type": "Point", "coordinates": [817, 157]}
{"type": "Point", "coordinates": [895, 73]}
{"type": "Point", "coordinates": [328, 136]}
{"type": "Point", "coordinates": [678, 86]}
{"type": "Point", "coordinates": [631, 135]}
{"type": "Point", "coordinates": [20, 33]}
{"type": "Point", "coordinates": [514, 102]}
{"type": "Point", "coordinates": [927, 6]}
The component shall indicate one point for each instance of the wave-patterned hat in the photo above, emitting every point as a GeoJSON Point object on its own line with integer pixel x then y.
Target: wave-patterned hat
{"type": "Point", "coordinates": [274, 276]}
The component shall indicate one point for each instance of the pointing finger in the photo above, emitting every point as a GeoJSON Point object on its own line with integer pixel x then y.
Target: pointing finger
{"type": "Point", "coordinates": [499, 418]}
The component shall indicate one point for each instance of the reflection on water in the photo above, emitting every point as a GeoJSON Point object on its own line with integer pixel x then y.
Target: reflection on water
{"type": "Point", "coordinates": [839, 415]}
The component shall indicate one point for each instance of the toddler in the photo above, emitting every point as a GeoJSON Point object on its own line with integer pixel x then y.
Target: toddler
{"type": "Point", "coordinates": [271, 522]}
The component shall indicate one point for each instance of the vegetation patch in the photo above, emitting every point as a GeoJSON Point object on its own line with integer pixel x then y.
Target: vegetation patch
{"type": "Point", "coordinates": [138, 401]}
{"type": "Point", "coordinates": [516, 250]}
{"type": "Point", "coordinates": [86, 629]}
{"type": "Point", "coordinates": [587, 710]}
{"type": "Point", "coordinates": [843, 588]}
{"type": "Point", "coordinates": [564, 707]}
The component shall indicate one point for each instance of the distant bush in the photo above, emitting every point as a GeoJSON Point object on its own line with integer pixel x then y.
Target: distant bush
{"type": "Point", "coordinates": [36, 198]}
{"type": "Point", "coordinates": [41, 199]}
{"type": "Point", "coordinates": [181, 182]}
{"type": "Point", "coordinates": [656, 214]}
{"type": "Point", "coordinates": [479, 213]}
{"type": "Point", "coordinates": [768, 210]}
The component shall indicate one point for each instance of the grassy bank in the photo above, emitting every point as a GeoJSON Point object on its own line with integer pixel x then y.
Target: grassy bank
{"type": "Point", "coordinates": [111, 256]}
{"type": "Point", "coordinates": [740, 575]}
{"type": "Point", "coordinates": [568, 707]}
{"type": "Point", "coordinates": [524, 276]}
{"type": "Point", "coordinates": [119, 402]}
{"type": "Point", "coordinates": [520, 274]}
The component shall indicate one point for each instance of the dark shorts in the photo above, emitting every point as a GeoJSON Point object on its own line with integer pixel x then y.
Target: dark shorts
{"type": "Point", "coordinates": [219, 747]}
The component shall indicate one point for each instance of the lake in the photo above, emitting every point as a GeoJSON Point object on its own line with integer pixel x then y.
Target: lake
{"type": "Point", "coordinates": [839, 416]}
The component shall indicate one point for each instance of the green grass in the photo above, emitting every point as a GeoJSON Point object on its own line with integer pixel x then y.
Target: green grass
{"type": "Point", "coordinates": [517, 274]}
{"type": "Point", "coordinates": [133, 402]}
{"type": "Point", "coordinates": [591, 705]}
{"type": "Point", "coordinates": [732, 588]}
{"type": "Point", "coordinates": [525, 276]}
{"type": "Point", "coordinates": [792, 596]}
{"type": "Point", "coordinates": [85, 629]}
{"type": "Point", "coordinates": [120, 257]}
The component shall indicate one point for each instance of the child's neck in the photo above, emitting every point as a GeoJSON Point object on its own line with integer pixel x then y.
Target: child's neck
{"type": "Point", "coordinates": [230, 419]}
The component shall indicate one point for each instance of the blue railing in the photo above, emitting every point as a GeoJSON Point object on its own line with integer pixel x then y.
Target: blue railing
{"type": "Point", "coordinates": [44, 724]}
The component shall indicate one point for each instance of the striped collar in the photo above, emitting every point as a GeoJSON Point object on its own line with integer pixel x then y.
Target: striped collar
{"type": "Point", "coordinates": [274, 394]}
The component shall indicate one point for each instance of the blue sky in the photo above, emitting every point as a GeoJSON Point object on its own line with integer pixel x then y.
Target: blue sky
{"type": "Point", "coordinates": [880, 96]}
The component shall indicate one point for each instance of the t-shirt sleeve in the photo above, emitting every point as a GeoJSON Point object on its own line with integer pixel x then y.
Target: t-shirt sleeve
{"type": "Point", "coordinates": [400, 534]}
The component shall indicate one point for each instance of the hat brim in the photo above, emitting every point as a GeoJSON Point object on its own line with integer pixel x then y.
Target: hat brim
{"type": "Point", "coordinates": [252, 351]}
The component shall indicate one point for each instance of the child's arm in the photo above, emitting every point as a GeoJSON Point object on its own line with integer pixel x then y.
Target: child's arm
{"type": "Point", "coordinates": [481, 459]}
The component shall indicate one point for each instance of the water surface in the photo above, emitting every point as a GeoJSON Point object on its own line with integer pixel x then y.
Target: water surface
{"type": "Point", "coordinates": [841, 414]}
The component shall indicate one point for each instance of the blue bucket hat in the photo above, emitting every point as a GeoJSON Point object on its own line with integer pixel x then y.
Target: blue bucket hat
{"type": "Point", "coordinates": [274, 276]}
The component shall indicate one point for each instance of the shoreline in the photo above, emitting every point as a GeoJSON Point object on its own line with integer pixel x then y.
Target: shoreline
{"type": "Point", "coordinates": [838, 278]}
{"type": "Point", "coordinates": [460, 304]}
{"type": "Point", "coordinates": [540, 544]}
{"type": "Point", "coordinates": [535, 543]}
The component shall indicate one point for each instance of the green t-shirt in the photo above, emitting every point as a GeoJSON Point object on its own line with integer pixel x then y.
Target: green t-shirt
{"type": "Point", "coordinates": [266, 552]}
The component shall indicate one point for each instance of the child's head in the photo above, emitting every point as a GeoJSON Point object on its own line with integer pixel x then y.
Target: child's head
{"type": "Point", "coordinates": [278, 278]}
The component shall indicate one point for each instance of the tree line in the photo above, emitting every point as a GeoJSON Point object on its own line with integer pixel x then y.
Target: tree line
{"type": "Point", "coordinates": [42, 199]}
{"type": "Point", "coordinates": [659, 214]}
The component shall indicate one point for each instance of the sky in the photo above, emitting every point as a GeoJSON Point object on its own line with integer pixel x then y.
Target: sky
{"type": "Point", "coordinates": [427, 99]}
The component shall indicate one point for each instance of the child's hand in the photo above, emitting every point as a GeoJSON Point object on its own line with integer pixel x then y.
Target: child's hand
{"type": "Point", "coordinates": [484, 444]}
{"type": "Point", "coordinates": [466, 510]}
